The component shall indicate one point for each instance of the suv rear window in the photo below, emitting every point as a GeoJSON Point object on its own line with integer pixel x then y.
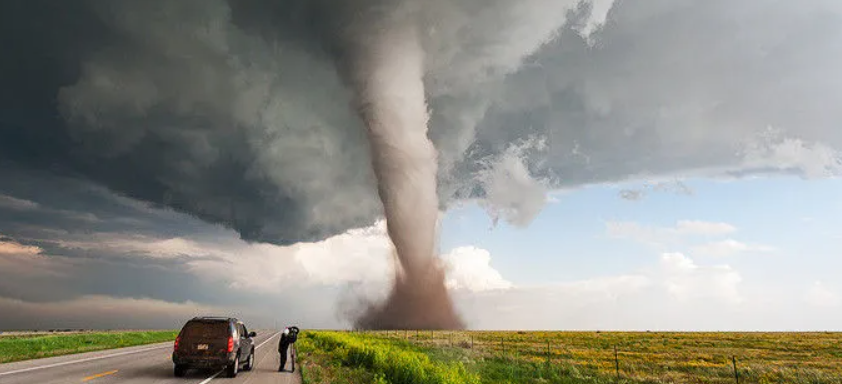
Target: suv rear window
{"type": "Point", "coordinates": [206, 329]}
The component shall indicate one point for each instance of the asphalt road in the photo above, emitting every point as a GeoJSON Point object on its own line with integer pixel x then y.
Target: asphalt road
{"type": "Point", "coordinates": [144, 364]}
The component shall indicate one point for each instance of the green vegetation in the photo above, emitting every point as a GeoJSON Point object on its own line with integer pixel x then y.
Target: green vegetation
{"type": "Point", "coordinates": [574, 357]}
{"type": "Point", "coordinates": [333, 357]}
{"type": "Point", "coordinates": [25, 347]}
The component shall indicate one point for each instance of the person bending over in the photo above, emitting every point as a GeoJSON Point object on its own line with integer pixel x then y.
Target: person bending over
{"type": "Point", "coordinates": [288, 337]}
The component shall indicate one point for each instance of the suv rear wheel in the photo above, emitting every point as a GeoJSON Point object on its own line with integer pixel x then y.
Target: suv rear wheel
{"type": "Point", "coordinates": [234, 368]}
{"type": "Point", "coordinates": [179, 370]}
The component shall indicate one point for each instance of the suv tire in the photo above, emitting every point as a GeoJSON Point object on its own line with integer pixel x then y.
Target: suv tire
{"type": "Point", "coordinates": [250, 362]}
{"type": "Point", "coordinates": [233, 369]}
{"type": "Point", "coordinates": [179, 370]}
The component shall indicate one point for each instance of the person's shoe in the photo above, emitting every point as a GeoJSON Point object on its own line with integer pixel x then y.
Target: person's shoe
{"type": "Point", "coordinates": [280, 369]}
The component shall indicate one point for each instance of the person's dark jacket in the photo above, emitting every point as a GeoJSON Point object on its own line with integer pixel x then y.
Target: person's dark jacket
{"type": "Point", "coordinates": [285, 342]}
{"type": "Point", "coordinates": [288, 339]}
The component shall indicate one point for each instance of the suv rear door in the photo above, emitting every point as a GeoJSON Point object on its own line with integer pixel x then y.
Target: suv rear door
{"type": "Point", "coordinates": [206, 337]}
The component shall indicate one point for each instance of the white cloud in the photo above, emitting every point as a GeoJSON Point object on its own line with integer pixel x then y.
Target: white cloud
{"type": "Point", "coordinates": [605, 288]}
{"type": "Point", "coordinates": [677, 276]}
{"type": "Point", "coordinates": [599, 12]}
{"type": "Point", "coordinates": [259, 268]}
{"type": "Point", "coordinates": [571, 305]}
{"type": "Point", "coordinates": [685, 280]}
{"type": "Point", "coordinates": [681, 236]}
{"type": "Point", "coordinates": [512, 193]}
{"type": "Point", "coordinates": [703, 228]}
{"type": "Point", "coordinates": [675, 294]}
{"type": "Point", "coordinates": [660, 236]}
{"type": "Point", "coordinates": [773, 151]}
{"type": "Point", "coordinates": [470, 268]}
{"type": "Point", "coordinates": [357, 255]}
{"type": "Point", "coordinates": [635, 231]}
{"type": "Point", "coordinates": [728, 247]}
{"type": "Point", "coordinates": [820, 295]}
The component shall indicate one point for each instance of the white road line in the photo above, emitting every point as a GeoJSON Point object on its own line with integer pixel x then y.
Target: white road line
{"type": "Point", "coordinates": [206, 381]}
{"type": "Point", "coordinates": [83, 360]}
{"type": "Point", "coordinates": [211, 378]}
{"type": "Point", "coordinates": [262, 358]}
{"type": "Point", "coordinates": [267, 340]}
{"type": "Point", "coordinates": [255, 365]}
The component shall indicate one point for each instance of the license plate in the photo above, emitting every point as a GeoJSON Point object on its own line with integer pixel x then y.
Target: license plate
{"type": "Point", "coordinates": [202, 347]}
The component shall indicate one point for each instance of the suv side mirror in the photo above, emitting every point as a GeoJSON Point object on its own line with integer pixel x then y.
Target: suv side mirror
{"type": "Point", "coordinates": [252, 334]}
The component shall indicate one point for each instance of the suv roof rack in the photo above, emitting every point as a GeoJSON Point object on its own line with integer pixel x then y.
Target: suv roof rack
{"type": "Point", "coordinates": [213, 318]}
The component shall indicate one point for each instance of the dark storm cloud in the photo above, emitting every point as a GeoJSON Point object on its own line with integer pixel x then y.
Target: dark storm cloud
{"type": "Point", "coordinates": [234, 112]}
{"type": "Point", "coordinates": [672, 87]}
{"type": "Point", "coordinates": [102, 276]}
{"type": "Point", "coordinates": [71, 222]}
{"type": "Point", "coordinates": [36, 203]}
{"type": "Point", "coordinates": [174, 153]}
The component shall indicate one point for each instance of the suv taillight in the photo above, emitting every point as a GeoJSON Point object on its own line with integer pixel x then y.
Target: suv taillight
{"type": "Point", "coordinates": [175, 346]}
{"type": "Point", "coordinates": [230, 344]}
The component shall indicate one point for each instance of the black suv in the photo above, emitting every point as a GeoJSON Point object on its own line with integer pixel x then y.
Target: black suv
{"type": "Point", "coordinates": [214, 342]}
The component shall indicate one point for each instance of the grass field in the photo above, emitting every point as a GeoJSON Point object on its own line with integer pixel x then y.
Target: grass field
{"type": "Point", "coordinates": [25, 347]}
{"type": "Point", "coordinates": [588, 357]}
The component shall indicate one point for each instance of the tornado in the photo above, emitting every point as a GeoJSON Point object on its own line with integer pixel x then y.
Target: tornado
{"type": "Point", "coordinates": [384, 63]}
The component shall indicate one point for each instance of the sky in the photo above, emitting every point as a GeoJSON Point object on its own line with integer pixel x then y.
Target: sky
{"type": "Point", "coordinates": [754, 254]}
{"type": "Point", "coordinates": [634, 164]}
{"type": "Point", "coordinates": [697, 254]}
